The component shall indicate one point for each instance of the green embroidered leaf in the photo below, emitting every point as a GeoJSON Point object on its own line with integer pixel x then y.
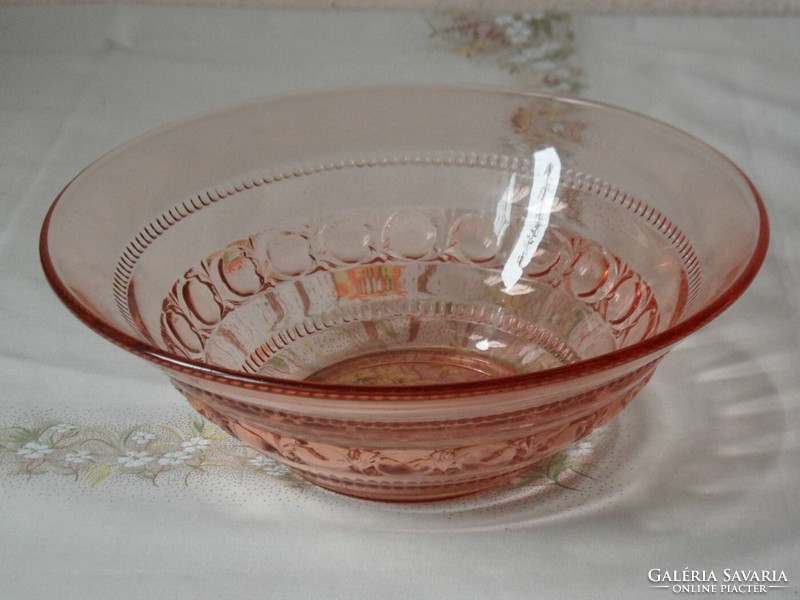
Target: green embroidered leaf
{"type": "Point", "coordinates": [121, 442]}
{"type": "Point", "coordinates": [99, 473]}
{"type": "Point", "coordinates": [547, 27]}
{"type": "Point", "coordinates": [19, 436]}
{"type": "Point", "coordinates": [582, 473]}
{"type": "Point", "coordinates": [173, 432]}
{"type": "Point", "coordinates": [199, 424]}
{"type": "Point", "coordinates": [212, 432]}
{"type": "Point", "coordinates": [158, 446]}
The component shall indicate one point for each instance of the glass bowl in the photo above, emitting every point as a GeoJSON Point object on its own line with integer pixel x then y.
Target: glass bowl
{"type": "Point", "coordinates": [406, 293]}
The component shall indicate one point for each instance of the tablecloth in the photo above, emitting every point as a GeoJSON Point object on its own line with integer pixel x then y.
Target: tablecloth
{"type": "Point", "coordinates": [700, 474]}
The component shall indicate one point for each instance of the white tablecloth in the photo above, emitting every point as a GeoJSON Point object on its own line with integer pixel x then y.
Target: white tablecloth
{"type": "Point", "coordinates": [701, 472]}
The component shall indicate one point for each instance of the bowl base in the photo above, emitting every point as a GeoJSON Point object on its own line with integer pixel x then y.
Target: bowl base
{"type": "Point", "coordinates": [408, 494]}
{"type": "Point", "coordinates": [412, 366]}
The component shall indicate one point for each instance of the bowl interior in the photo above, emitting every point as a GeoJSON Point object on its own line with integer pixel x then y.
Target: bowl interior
{"type": "Point", "coordinates": [405, 236]}
{"type": "Point", "coordinates": [452, 273]}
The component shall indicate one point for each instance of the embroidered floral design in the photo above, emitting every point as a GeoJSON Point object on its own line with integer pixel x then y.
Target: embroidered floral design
{"type": "Point", "coordinates": [269, 466]}
{"type": "Point", "coordinates": [35, 450]}
{"type": "Point", "coordinates": [78, 457]}
{"type": "Point", "coordinates": [64, 428]}
{"type": "Point", "coordinates": [174, 458]}
{"type": "Point", "coordinates": [580, 449]}
{"type": "Point", "coordinates": [133, 458]}
{"type": "Point", "coordinates": [142, 437]}
{"type": "Point", "coordinates": [93, 455]}
{"type": "Point", "coordinates": [564, 468]}
{"type": "Point", "coordinates": [195, 444]}
{"type": "Point", "coordinates": [546, 123]}
{"type": "Point", "coordinates": [535, 47]}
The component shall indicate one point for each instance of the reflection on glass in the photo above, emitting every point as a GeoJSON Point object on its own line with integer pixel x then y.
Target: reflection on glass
{"type": "Point", "coordinates": [502, 217]}
{"type": "Point", "coordinates": [546, 173]}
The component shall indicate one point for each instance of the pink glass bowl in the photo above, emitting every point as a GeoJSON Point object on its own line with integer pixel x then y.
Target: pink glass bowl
{"type": "Point", "coordinates": [406, 293]}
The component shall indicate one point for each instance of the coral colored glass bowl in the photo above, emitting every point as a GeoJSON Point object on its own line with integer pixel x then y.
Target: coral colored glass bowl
{"type": "Point", "coordinates": [406, 293]}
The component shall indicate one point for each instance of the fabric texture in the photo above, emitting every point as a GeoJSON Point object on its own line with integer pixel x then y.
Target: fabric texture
{"type": "Point", "coordinates": [700, 472]}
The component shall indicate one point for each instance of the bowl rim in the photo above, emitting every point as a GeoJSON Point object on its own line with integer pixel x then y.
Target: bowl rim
{"type": "Point", "coordinates": [654, 346]}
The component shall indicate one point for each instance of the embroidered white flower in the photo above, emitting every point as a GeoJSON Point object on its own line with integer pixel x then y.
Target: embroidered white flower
{"type": "Point", "coordinates": [504, 20]}
{"type": "Point", "coordinates": [78, 457]}
{"type": "Point", "coordinates": [580, 449]}
{"type": "Point", "coordinates": [195, 444]}
{"type": "Point", "coordinates": [134, 458]}
{"type": "Point", "coordinates": [35, 450]}
{"type": "Point", "coordinates": [174, 458]}
{"type": "Point", "coordinates": [518, 32]}
{"type": "Point", "coordinates": [268, 465]}
{"type": "Point", "coordinates": [536, 53]}
{"type": "Point", "coordinates": [260, 461]}
{"type": "Point", "coordinates": [562, 87]}
{"type": "Point", "coordinates": [534, 16]}
{"type": "Point", "coordinates": [560, 72]}
{"type": "Point", "coordinates": [142, 437]}
{"type": "Point", "coordinates": [64, 428]}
